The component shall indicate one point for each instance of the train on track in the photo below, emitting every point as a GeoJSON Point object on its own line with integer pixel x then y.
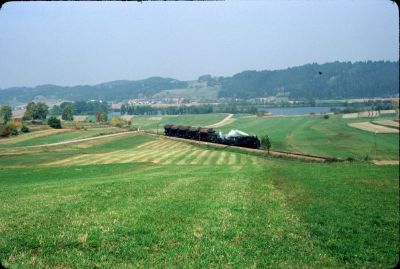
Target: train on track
{"type": "Point", "coordinates": [233, 138]}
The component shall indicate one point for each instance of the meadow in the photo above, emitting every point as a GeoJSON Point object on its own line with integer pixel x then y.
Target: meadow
{"type": "Point", "coordinates": [152, 123]}
{"type": "Point", "coordinates": [318, 136]}
{"type": "Point", "coordinates": [140, 201]}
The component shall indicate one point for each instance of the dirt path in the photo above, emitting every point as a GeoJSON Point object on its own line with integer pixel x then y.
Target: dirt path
{"type": "Point", "coordinates": [387, 162]}
{"type": "Point", "coordinates": [80, 140]}
{"type": "Point", "coordinates": [228, 119]}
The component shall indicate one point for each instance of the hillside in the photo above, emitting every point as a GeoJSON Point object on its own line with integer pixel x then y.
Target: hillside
{"type": "Point", "coordinates": [320, 81]}
{"type": "Point", "coordinates": [110, 91]}
{"type": "Point", "coordinates": [139, 201]}
{"type": "Point", "coordinates": [326, 81]}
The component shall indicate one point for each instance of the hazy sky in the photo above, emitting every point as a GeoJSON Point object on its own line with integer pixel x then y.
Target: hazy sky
{"type": "Point", "coordinates": [72, 43]}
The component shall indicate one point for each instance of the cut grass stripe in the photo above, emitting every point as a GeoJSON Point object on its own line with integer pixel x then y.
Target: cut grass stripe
{"type": "Point", "coordinates": [200, 158]}
{"type": "Point", "coordinates": [68, 161]}
{"type": "Point", "coordinates": [138, 156]}
{"type": "Point", "coordinates": [189, 157]}
{"type": "Point", "coordinates": [211, 157]}
{"type": "Point", "coordinates": [151, 156]}
{"type": "Point", "coordinates": [177, 157]}
{"type": "Point", "coordinates": [232, 159]}
{"type": "Point", "coordinates": [94, 159]}
{"type": "Point", "coordinates": [222, 158]}
{"type": "Point", "coordinates": [166, 155]}
{"type": "Point", "coordinates": [158, 144]}
{"type": "Point", "coordinates": [148, 144]}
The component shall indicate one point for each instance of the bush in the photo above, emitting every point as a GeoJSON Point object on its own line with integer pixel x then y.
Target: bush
{"type": "Point", "coordinates": [17, 122]}
{"type": "Point", "coordinates": [53, 122]}
{"type": "Point", "coordinates": [5, 132]}
{"type": "Point", "coordinates": [118, 122]}
{"type": "Point", "coordinates": [326, 117]}
{"type": "Point", "coordinates": [24, 129]}
{"type": "Point", "coordinates": [350, 159]}
{"type": "Point", "coordinates": [12, 129]}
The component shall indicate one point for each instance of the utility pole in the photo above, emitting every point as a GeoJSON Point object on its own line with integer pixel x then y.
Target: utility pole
{"type": "Point", "coordinates": [375, 144]}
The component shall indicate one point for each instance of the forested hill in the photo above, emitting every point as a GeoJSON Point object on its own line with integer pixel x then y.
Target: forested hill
{"type": "Point", "coordinates": [325, 81]}
{"type": "Point", "coordinates": [110, 91]}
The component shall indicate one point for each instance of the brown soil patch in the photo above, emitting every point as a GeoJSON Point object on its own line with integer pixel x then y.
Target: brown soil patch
{"type": "Point", "coordinates": [388, 123]}
{"type": "Point", "coordinates": [370, 127]}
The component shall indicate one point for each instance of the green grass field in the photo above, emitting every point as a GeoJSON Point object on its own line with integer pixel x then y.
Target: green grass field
{"type": "Point", "coordinates": [151, 122]}
{"type": "Point", "coordinates": [138, 201]}
{"type": "Point", "coordinates": [324, 137]}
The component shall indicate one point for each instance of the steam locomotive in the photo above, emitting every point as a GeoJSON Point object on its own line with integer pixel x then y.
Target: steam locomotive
{"type": "Point", "coordinates": [233, 138]}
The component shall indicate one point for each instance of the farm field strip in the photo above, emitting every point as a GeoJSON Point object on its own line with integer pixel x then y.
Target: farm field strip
{"type": "Point", "coordinates": [387, 123]}
{"type": "Point", "coordinates": [370, 127]}
{"type": "Point", "coordinates": [161, 151]}
{"type": "Point", "coordinates": [32, 135]}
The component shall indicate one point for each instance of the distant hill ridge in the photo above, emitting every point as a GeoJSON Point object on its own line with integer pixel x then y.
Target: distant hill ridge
{"type": "Point", "coordinates": [321, 81]}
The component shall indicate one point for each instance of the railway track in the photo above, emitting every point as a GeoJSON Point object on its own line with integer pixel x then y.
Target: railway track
{"type": "Point", "coordinates": [273, 153]}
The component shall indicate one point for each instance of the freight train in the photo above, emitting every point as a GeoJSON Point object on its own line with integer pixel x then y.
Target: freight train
{"type": "Point", "coordinates": [233, 138]}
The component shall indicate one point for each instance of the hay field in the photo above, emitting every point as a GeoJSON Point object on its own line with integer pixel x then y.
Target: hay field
{"type": "Point", "coordinates": [370, 127]}
{"type": "Point", "coordinates": [388, 123]}
{"type": "Point", "coordinates": [162, 151]}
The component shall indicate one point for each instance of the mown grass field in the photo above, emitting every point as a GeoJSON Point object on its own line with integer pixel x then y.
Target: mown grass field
{"type": "Point", "coordinates": [324, 137]}
{"type": "Point", "coordinates": [53, 136]}
{"type": "Point", "coordinates": [138, 201]}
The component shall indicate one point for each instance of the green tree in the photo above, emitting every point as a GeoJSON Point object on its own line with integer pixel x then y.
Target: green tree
{"type": "Point", "coordinates": [35, 111]}
{"type": "Point", "coordinates": [24, 129]}
{"type": "Point", "coordinates": [5, 113]}
{"type": "Point", "coordinates": [53, 122]}
{"type": "Point", "coordinates": [42, 111]}
{"type": "Point", "coordinates": [67, 111]}
{"type": "Point", "coordinates": [55, 111]}
{"type": "Point", "coordinates": [12, 128]}
{"type": "Point", "coordinates": [101, 117]}
{"type": "Point", "coordinates": [266, 143]}
{"type": "Point", "coordinates": [123, 109]}
{"type": "Point", "coordinates": [31, 111]}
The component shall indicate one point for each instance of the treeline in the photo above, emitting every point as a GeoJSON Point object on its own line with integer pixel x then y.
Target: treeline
{"type": "Point", "coordinates": [79, 108]}
{"type": "Point", "coordinates": [377, 105]}
{"type": "Point", "coordinates": [179, 110]}
{"type": "Point", "coordinates": [319, 81]}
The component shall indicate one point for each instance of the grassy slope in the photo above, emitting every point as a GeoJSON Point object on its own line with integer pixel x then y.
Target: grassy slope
{"type": "Point", "coordinates": [315, 135]}
{"type": "Point", "coordinates": [271, 213]}
{"type": "Point", "coordinates": [54, 138]}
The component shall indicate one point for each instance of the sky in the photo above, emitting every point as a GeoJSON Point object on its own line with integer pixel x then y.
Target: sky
{"type": "Point", "coordinates": [78, 43]}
